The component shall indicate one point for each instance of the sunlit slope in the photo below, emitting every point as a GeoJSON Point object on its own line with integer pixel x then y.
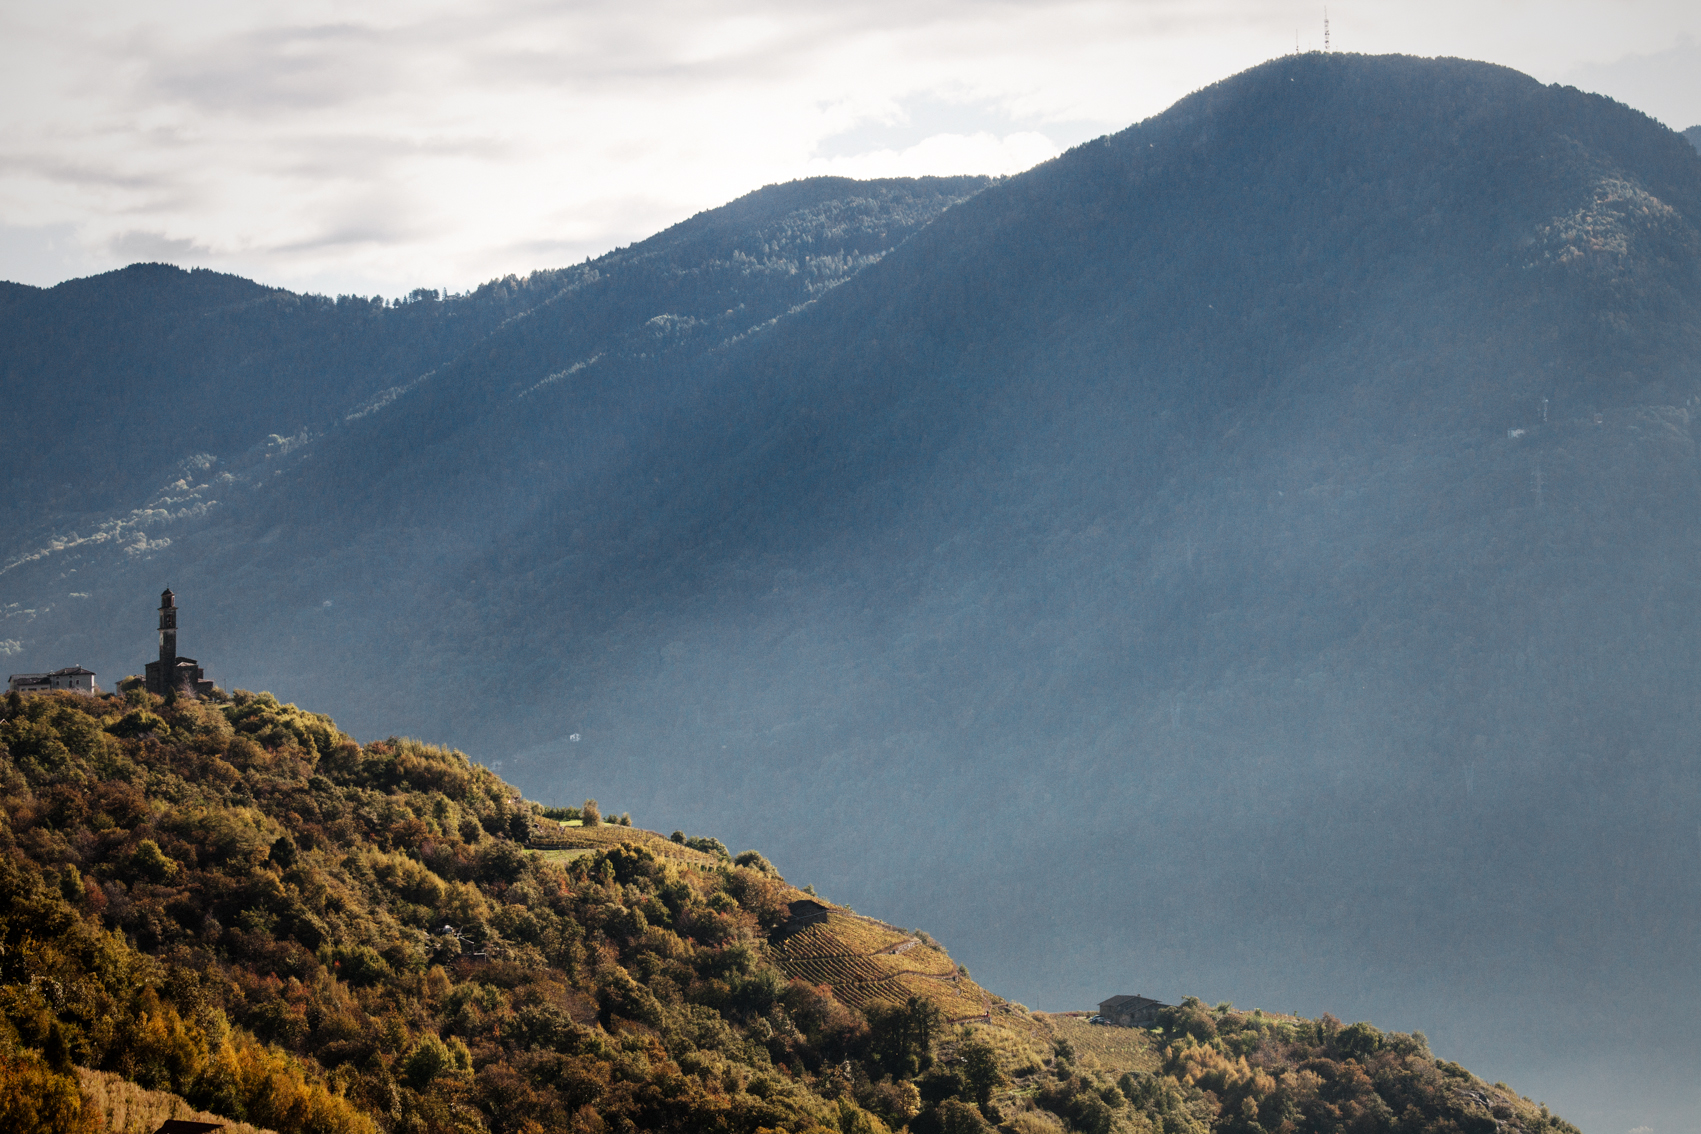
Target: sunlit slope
{"type": "Point", "coordinates": [552, 836]}
{"type": "Point", "coordinates": [861, 960]}
{"type": "Point", "coordinates": [268, 924]}
{"type": "Point", "coordinates": [866, 961]}
{"type": "Point", "coordinates": [1116, 1050]}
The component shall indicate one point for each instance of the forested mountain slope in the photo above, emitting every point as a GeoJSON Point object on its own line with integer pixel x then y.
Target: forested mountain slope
{"type": "Point", "coordinates": [1254, 550]}
{"type": "Point", "coordinates": [118, 384]}
{"type": "Point", "coordinates": [233, 901]}
{"type": "Point", "coordinates": [139, 400]}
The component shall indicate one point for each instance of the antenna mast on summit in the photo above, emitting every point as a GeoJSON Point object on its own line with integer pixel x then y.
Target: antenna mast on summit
{"type": "Point", "coordinates": [1325, 30]}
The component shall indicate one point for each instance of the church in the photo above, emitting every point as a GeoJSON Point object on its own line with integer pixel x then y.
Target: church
{"type": "Point", "coordinates": [170, 671]}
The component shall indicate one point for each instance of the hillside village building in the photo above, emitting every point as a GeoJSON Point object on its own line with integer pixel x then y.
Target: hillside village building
{"type": "Point", "coordinates": [1131, 1011]}
{"type": "Point", "coordinates": [170, 671]}
{"type": "Point", "coordinates": [75, 678]}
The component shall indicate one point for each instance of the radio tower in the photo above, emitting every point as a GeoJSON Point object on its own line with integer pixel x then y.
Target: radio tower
{"type": "Point", "coordinates": [1325, 30]}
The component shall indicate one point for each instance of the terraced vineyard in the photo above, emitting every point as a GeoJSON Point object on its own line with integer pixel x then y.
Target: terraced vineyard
{"type": "Point", "coordinates": [864, 961]}
{"type": "Point", "coordinates": [1103, 1046]}
{"type": "Point", "coordinates": [553, 838]}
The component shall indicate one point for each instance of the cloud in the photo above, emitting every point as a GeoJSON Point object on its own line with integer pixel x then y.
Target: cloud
{"type": "Point", "coordinates": [132, 247]}
{"type": "Point", "coordinates": [1665, 84]}
{"type": "Point", "coordinates": [274, 71]}
{"type": "Point", "coordinates": [45, 254]}
{"type": "Point", "coordinates": [374, 145]}
{"type": "Point", "coordinates": [944, 154]}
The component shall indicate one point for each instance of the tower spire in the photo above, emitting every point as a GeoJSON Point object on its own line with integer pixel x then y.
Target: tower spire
{"type": "Point", "coordinates": [167, 631]}
{"type": "Point", "coordinates": [1325, 29]}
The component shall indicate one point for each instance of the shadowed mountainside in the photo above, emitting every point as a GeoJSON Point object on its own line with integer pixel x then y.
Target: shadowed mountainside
{"type": "Point", "coordinates": [123, 382]}
{"type": "Point", "coordinates": [147, 397]}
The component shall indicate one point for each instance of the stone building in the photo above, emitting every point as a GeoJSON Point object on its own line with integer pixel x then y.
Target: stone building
{"type": "Point", "coordinates": [1131, 1011]}
{"type": "Point", "coordinates": [170, 671]}
{"type": "Point", "coordinates": [75, 678]}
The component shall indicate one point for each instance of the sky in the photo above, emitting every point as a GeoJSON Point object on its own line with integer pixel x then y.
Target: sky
{"type": "Point", "coordinates": [374, 147]}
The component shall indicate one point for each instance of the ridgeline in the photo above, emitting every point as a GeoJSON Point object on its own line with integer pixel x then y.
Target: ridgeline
{"type": "Point", "coordinates": [229, 906]}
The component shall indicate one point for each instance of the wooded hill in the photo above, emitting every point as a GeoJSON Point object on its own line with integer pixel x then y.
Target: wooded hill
{"type": "Point", "coordinates": [234, 902]}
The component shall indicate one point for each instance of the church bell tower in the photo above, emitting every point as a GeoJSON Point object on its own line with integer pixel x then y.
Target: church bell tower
{"type": "Point", "coordinates": [173, 671]}
{"type": "Point", "coordinates": [167, 631]}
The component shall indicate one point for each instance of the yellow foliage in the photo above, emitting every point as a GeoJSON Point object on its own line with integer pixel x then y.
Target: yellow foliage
{"type": "Point", "coordinates": [159, 1049]}
{"type": "Point", "coordinates": [1034, 1122]}
{"type": "Point", "coordinates": [464, 905]}
{"type": "Point", "coordinates": [1301, 1084]}
{"type": "Point", "coordinates": [854, 1120]}
{"type": "Point", "coordinates": [34, 1099]}
{"type": "Point", "coordinates": [409, 878]}
{"type": "Point", "coordinates": [267, 1088]}
{"type": "Point", "coordinates": [1209, 1069]}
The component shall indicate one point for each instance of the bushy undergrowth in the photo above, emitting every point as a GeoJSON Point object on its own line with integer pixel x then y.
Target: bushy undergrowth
{"type": "Point", "coordinates": [1228, 1072]}
{"type": "Point", "coordinates": [234, 902]}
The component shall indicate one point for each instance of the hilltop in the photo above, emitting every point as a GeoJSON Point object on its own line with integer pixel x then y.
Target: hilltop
{"type": "Point", "coordinates": [1276, 519]}
{"type": "Point", "coordinates": [231, 905]}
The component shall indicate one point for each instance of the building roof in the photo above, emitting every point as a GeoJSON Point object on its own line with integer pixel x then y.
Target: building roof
{"type": "Point", "coordinates": [68, 671]}
{"type": "Point", "coordinates": [1116, 1002]}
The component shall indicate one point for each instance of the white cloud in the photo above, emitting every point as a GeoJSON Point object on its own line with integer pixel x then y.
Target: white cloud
{"type": "Point", "coordinates": [943, 154]}
{"type": "Point", "coordinates": [1665, 84]}
{"type": "Point", "coordinates": [375, 145]}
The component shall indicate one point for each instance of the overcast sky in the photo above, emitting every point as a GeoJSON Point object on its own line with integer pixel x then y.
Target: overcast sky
{"type": "Point", "coordinates": [374, 147]}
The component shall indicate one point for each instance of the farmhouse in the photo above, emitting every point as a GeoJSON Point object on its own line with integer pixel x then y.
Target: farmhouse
{"type": "Point", "coordinates": [1131, 1011]}
{"type": "Point", "coordinates": [74, 678]}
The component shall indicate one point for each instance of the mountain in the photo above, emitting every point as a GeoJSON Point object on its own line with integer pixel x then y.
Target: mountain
{"type": "Point", "coordinates": [1252, 552]}
{"type": "Point", "coordinates": [118, 383]}
{"type": "Point", "coordinates": [149, 396]}
{"type": "Point", "coordinates": [230, 904]}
